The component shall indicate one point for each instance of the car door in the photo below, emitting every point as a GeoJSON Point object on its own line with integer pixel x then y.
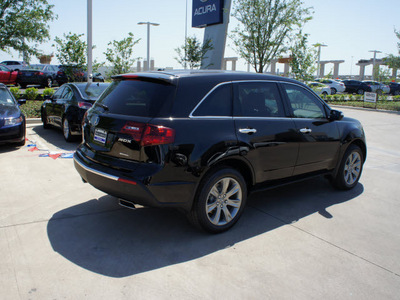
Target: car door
{"type": "Point", "coordinates": [61, 103]}
{"type": "Point", "coordinates": [50, 105]}
{"type": "Point", "coordinates": [318, 137]}
{"type": "Point", "coordinates": [262, 126]}
{"type": "Point", "coordinates": [5, 74]}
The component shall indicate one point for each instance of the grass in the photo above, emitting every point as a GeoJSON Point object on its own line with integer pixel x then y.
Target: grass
{"type": "Point", "coordinates": [386, 105]}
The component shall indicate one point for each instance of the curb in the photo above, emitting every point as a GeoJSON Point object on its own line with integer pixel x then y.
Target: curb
{"type": "Point", "coordinates": [33, 121]}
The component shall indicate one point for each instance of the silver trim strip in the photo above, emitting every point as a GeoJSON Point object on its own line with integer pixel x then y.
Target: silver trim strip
{"type": "Point", "coordinates": [86, 168]}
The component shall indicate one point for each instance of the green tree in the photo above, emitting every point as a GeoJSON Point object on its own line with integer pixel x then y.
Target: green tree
{"type": "Point", "coordinates": [265, 27]}
{"type": "Point", "coordinates": [119, 54]}
{"type": "Point", "coordinates": [71, 52]}
{"type": "Point", "coordinates": [302, 58]}
{"type": "Point", "coordinates": [192, 52]}
{"type": "Point", "coordinates": [393, 61]}
{"type": "Point", "coordinates": [23, 22]}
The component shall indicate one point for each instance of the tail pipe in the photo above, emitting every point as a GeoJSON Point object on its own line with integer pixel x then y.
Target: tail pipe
{"type": "Point", "coordinates": [126, 204]}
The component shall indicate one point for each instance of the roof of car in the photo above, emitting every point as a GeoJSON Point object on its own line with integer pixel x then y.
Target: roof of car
{"type": "Point", "coordinates": [170, 75]}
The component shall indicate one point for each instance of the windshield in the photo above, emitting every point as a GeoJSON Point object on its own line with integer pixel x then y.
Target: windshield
{"type": "Point", "coordinates": [138, 98]}
{"type": "Point", "coordinates": [6, 97]}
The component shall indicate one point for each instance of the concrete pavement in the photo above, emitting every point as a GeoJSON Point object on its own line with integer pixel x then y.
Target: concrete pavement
{"type": "Point", "coordinates": [61, 238]}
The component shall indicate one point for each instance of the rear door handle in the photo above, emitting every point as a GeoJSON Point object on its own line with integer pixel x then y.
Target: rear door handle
{"type": "Point", "coordinates": [305, 130]}
{"type": "Point", "coordinates": [247, 130]}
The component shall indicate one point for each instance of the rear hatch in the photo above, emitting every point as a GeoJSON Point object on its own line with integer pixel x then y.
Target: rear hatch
{"type": "Point", "coordinates": [121, 129]}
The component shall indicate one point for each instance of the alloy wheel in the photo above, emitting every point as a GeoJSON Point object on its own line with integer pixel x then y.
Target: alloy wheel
{"type": "Point", "coordinates": [223, 201]}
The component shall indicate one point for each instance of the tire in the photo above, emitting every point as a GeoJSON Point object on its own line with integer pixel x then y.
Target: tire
{"type": "Point", "coordinates": [44, 120]}
{"type": "Point", "coordinates": [23, 86]}
{"type": "Point", "coordinates": [66, 129]}
{"type": "Point", "coordinates": [324, 93]}
{"type": "Point", "coordinates": [350, 169]}
{"type": "Point", "coordinates": [360, 92]}
{"type": "Point", "coordinates": [49, 82]}
{"type": "Point", "coordinates": [220, 200]}
{"type": "Point", "coordinates": [333, 91]}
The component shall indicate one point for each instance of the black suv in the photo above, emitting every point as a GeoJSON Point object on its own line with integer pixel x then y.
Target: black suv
{"type": "Point", "coordinates": [202, 140]}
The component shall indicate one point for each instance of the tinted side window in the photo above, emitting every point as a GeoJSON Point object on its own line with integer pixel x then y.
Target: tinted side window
{"type": "Point", "coordinates": [58, 93]}
{"type": "Point", "coordinates": [217, 103]}
{"type": "Point", "coordinates": [68, 94]}
{"type": "Point", "coordinates": [258, 99]}
{"type": "Point", "coordinates": [303, 103]}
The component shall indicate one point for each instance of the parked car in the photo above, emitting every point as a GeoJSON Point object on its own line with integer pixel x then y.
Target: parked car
{"type": "Point", "coordinates": [12, 120]}
{"type": "Point", "coordinates": [8, 76]}
{"type": "Point", "coordinates": [394, 88]}
{"type": "Point", "coordinates": [65, 109]}
{"type": "Point", "coordinates": [67, 73]}
{"type": "Point", "coordinates": [377, 87]}
{"type": "Point", "coordinates": [356, 86]}
{"type": "Point", "coordinates": [14, 65]}
{"type": "Point", "coordinates": [320, 88]}
{"type": "Point", "coordinates": [335, 86]}
{"type": "Point", "coordinates": [200, 141]}
{"type": "Point", "coordinates": [39, 74]}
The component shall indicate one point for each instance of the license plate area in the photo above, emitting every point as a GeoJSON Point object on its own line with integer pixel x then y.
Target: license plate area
{"type": "Point", "coordinates": [100, 136]}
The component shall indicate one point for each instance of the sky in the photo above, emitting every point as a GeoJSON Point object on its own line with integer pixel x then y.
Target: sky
{"type": "Point", "coordinates": [349, 29]}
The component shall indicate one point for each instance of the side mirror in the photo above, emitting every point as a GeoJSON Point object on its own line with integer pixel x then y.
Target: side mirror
{"type": "Point", "coordinates": [335, 115]}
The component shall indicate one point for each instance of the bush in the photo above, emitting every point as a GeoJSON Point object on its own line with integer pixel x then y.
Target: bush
{"type": "Point", "coordinates": [48, 92]}
{"type": "Point", "coordinates": [31, 109]}
{"type": "Point", "coordinates": [16, 92]}
{"type": "Point", "coordinates": [31, 93]}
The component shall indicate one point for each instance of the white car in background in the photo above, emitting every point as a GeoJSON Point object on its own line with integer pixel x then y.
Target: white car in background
{"type": "Point", "coordinates": [319, 88]}
{"type": "Point", "coordinates": [378, 87]}
{"type": "Point", "coordinates": [336, 86]}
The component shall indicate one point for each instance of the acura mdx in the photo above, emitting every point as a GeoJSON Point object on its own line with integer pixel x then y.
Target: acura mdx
{"type": "Point", "coordinates": [202, 140]}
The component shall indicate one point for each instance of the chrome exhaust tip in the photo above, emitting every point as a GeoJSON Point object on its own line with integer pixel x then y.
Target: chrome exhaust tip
{"type": "Point", "coordinates": [126, 204]}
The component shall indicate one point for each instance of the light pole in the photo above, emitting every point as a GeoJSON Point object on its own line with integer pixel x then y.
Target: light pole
{"type": "Point", "coordinates": [89, 41]}
{"type": "Point", "coordinates": [319, 45]}
{"type": "Point", "coordinates": [373, 62]}
{"type": "Point", "coordinates": [148, 41]}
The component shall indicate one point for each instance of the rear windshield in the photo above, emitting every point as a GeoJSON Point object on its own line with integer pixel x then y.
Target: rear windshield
{"type": "Point", "coordinates": [138, 98]}
{"type": "Point", "coordinates": [92, 91]}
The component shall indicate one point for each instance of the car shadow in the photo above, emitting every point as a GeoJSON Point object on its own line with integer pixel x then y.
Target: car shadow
{"type": "Point", "coordinates": [5, 148]}
{"type": "Point", "coordinates": [104, 238]}
{"type": "Point", "coordinates": [55, 137]}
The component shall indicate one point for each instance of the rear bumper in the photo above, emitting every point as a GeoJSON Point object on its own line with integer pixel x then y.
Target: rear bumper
{"type": "Point", "coordinates": [136, 190]}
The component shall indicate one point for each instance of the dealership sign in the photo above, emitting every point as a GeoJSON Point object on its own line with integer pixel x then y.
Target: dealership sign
{"type": "Point", "coordinates": [207, 12]}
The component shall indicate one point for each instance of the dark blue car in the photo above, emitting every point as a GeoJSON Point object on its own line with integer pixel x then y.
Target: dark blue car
{"type": "Point", "coordinates": [12, 120]}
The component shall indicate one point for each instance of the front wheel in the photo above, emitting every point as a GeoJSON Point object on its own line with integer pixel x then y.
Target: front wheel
{"type": "Point", "coordinates": [350, 169]}
{"type": "Point", "coordinates": [333, 91]}
{"type": "Point", "coordinates": [220, 201]}
{"type": "Point", "coordinates": [360, 91]}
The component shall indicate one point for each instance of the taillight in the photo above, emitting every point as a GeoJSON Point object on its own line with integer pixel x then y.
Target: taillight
{"type": "Point", "coordinates": [39, 73]}
{"type": "Point", "coordinates": [157, 135]}
{"type": "Point", "coordinates": [84, 105]}
{"type": "Point", "coordinates": [149, 135]}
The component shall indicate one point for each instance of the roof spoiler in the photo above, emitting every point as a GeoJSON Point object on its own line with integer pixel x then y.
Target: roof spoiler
{"type": "Point", "coordinates": [152, 77]}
